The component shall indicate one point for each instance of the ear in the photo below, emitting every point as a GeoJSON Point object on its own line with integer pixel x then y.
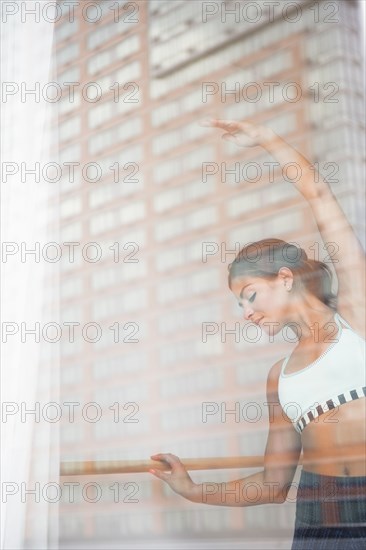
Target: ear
{"type": "Point", "coordinates": [286, 276]}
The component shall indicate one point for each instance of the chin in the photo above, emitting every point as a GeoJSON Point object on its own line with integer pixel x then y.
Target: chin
{"type": "Point", "coordinates": [274, 327]}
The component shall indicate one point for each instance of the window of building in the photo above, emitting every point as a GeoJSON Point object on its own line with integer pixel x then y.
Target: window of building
{"type": "Point", "coordinates": [107, 192]}
{"type": "Point", "coordinates": [72, 153]}
{"type": "Point", "coordinates": [69, 182]}
{"type": "Point", "coordinates": [67, 264]}
{"type": "Point", "coordinates": [110, 109]}
{"type": "Point", "coordinates": [71, 374]}
{"type": "Point", "coordinates": [121, 393]}
{"type": "Point", "coordinates": [284, 223]}
{"type": "Point", "coordinates": [122, 160]}
{"type": "Point", "coordinates": [278, 192]}
{"type": "Point", "coordinates": [177, 137]}
{"type": "Point", "coordinates": [100, 61]}
{"type": "Point", "coordinates": [181, 255]}
{"type": "Point", "coordinates": [202, 381]}
{"type": "Point", "coordinates": [134, 236]}
{"type": "Point", "coordinates": [71, 232]}
{"type": "Point", "coordinates": [183, 163]}
{"type": "Point", "coordinates": [133, 300]}
{"type": "Point", "coordinates": [71, 433]}
{"type": "Point", "coordinates": [129, 239]}
{"type": "Point", "coordinates": [109, 276]}
{"type": "Point", "coordinates": [165, 113]}
{"type": "Point", "coordinates": [132, 212]}
{"type": "Point", "coordinates": [109, 30]}
{"type": "Point", "coordinates": [70, 207]}
{"type": "Point", "coordinates": [201, 447]}
{"type": "Point", "coordinates": [109, 367]}
{"type": "Point", "coordinates": [128, 73]}
{"type": "Point", "coordinates": [283, 124]}
{"type": "Point", "coordinates": [71, 287]}
{"type": "Point", "coordinates": [70, 128]}
{"type": "Point", "coordinates": [187, 318]}
{"type": "Point", "coordinates": [71, 525]}
{"type": "Point", "coordinates": [161, 7]}
{"type": "Point", "coordinates": [245, 234]}
{"type": "Point", "coordinates": [245, 202]}
{"type": "Point", "coordinates": [68, 349]}
{"type": "Point", "coordinates": [68, 53]}
{"type": "Point", "coordinates": [180, 418]}
{"type": "Point", "coordinates": [66, 105]}
{"type": "Point", "coordinates": [70, 75]}
{"type": "Point", "coordinates": [192, 284]}
{"type": "Point", "coordinates": [104, 221]}
{"type": "Point", "coordinates": [118, 133]}
{"type": "Point", "coordinates": [66, 29]}
{"type": "Point", "coordinates": [276, 63]}
{"type": "Point", "coordinates": [172, 227]}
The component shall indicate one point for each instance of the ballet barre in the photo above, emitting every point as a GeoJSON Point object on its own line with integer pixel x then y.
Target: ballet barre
{"type": "Point", "coordinates": [98, 467]}
{"type": "Point", "coordinates": [87, 467]}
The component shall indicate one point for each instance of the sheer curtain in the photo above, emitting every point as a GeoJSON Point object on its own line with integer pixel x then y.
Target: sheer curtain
{"type": "Point", "coordinates": [30, 347]}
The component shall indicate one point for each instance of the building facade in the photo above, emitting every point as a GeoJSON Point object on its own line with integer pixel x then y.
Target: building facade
{"type": "Point", "coordinates": [153, 208]}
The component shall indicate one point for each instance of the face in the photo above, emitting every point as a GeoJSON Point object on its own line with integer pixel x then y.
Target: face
{"type": "Point", "coordinates": [264, 301]}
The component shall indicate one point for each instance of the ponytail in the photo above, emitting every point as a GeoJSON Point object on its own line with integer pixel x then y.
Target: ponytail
{"type": "Point", "coordinates": [317, 278]}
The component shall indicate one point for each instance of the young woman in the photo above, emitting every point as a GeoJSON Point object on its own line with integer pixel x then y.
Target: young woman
{"type": "Point", "coordinates": [316, 394]}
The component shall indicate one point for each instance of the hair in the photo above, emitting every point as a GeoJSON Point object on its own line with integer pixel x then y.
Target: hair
{"type": "Point", "coordinates": [266, 257]}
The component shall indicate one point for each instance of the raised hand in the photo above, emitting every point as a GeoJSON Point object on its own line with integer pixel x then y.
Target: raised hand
{"type": "Point", "coordinates": [296, 169]}
{"type": "Point", "coordinates": [243, 134]}
{"type": "Point", "coordinates": [178, 480]}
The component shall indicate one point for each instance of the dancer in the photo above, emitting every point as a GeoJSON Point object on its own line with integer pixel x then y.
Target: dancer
{"type": "Point", "coordinates": [316, 394]}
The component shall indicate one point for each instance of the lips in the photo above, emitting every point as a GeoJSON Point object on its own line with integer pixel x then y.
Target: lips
{"type": "Point", "coordinates": [258, 320]}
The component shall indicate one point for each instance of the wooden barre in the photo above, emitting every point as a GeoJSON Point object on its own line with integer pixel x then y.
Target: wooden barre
{"type": "Point", "coordinates": [90, 467]}
{"type": "Point", "coordinates": [139, 466]}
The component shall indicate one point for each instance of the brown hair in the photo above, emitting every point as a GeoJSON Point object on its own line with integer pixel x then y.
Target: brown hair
{"type": "Point", "coordinates": [266, 257]}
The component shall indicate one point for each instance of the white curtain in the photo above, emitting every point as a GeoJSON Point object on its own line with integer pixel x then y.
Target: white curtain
{"type": "Point", "coordinates": [29, 372]}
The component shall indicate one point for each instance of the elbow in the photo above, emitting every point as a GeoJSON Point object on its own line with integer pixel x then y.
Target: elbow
{"type": "Point", "coordinates": [276, 491]}
{"type": "Point", "coordinates": [280, 498]}
{"type": "Point", "coordinates": [281, 495]}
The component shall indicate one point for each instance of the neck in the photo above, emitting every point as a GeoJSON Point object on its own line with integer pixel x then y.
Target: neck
{"type": "Point", "coordinates": [309, 317]}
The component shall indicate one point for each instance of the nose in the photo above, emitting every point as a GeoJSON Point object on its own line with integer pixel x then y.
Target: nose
{"type": "Point", "coordinates": [248, 312]}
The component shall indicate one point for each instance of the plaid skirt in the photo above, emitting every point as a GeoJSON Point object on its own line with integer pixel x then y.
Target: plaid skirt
{"type": "Point", "coordinates": [330, 513]}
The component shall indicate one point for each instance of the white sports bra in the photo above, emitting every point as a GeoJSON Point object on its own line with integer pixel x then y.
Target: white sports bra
{"type": "Point", "coordinates": [336, 377]}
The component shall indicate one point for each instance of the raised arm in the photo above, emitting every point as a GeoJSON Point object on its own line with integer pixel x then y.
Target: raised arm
{"type": "Point", "coordinates": [344, 248]}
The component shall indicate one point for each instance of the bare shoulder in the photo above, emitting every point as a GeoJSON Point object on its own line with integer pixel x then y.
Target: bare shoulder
{"type": "Point", "coordinates": [272, 381]}
{"type": "Point", "coordinates": [273, 376]}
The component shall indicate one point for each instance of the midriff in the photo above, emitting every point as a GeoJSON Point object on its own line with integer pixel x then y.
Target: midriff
{"type": "Point", "coordinates": [334, 444]}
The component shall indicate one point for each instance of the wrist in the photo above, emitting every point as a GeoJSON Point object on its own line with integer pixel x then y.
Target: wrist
{"type": "Point", "coordinates": [195, 493]}
{"type": "Point", "coordinates": [270, 140]}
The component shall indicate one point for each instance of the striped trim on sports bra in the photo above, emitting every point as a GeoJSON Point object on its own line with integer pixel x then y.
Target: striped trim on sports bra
{"type": "Point", "coordinates": [328, 405]}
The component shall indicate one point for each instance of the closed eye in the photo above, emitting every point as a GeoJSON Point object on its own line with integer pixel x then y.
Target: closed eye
{"type": "Point", "coordinates": [252, 298]}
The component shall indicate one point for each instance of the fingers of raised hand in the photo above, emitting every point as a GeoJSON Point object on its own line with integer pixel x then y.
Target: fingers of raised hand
{"type": "Point", "coordinates": [228, 125]}
{"type": "Point", "coordinates": [229, 137]}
